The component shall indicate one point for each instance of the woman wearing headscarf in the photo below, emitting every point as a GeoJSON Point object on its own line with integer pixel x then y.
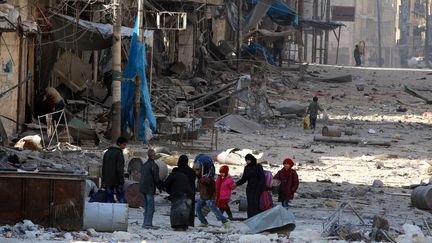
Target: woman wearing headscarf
{"type": "Point", "coordinates": [253, 174]}
{"type": "Point", "coordinates": [177, 185]}
{"type": "Point", "coordinates": [289, 182]}
{"type": "Point", "coordinates": [183, 167]}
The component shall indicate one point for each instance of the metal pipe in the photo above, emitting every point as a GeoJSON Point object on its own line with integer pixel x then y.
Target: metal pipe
{"type": "Point", "coordinates": [239, 32]}
{"type": "Point", "coordinates": [380, 59]}
{"type": "Point", "coordinates": [116, 72]}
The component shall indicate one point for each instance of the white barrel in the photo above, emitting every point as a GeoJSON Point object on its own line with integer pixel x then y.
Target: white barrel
{"type": "Point", "coordinates": [106, 217]}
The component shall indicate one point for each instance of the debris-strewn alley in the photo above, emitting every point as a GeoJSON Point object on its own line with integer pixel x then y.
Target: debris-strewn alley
{"type": "Point", "coordinates": [215, 121]}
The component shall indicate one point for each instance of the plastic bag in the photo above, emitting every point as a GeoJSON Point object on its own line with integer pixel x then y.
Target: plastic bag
{"type": "Point", "coordinates": [306, 122]}
{"type": "Point", "coordinates": [266, 201]}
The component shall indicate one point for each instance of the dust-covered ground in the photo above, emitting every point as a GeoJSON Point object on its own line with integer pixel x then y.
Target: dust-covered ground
{"type": "Point", "coordinates": [330, 173]}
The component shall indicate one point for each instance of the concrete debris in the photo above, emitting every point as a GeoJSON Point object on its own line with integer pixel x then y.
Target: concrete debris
{"type": "Point", "coordinates": [68, 236]}
{"type": "Point", "coordinates": [121, 236]}
{"type": "Point", "coordinates": [377, 184]}
{"type": "Point", "coordinates": [92, 232]}
{"type": "Point", "coordinates": [290, 107]}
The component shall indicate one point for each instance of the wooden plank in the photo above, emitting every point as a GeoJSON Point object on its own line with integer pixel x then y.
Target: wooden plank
{"type": "Point", "coordinates": [417, 94]}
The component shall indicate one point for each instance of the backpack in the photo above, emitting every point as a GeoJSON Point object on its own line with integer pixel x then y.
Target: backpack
{"type": "Point", "coordinates": [268, 179]}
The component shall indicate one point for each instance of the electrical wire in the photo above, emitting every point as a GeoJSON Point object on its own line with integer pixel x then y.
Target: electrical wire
{"type": "Point", "coordinates": [65, 26]}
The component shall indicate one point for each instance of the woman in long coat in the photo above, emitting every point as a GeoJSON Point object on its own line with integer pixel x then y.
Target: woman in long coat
{"type": "Point", "coordinates": [253, 174]}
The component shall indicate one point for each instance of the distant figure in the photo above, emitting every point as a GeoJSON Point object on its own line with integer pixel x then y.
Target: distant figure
{"type": "Point", "coordinates": [54, 101]}
{"type": "Point", "coordinates": [312, 110]}
{"type": "Point", "coordinates": [289, 182]}
{"type": "Point", "coordinates": [113, 171]}
{"type": "Point", "coordinates": [278, 46]}
{"type": "Point", "coordinates": [149, 182]}
{"type": "Point", "coordinates": [357, 55]}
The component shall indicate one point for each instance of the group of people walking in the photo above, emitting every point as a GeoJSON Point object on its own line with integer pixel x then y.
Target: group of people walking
{"type": "Point", "coordinates": [184, 181]}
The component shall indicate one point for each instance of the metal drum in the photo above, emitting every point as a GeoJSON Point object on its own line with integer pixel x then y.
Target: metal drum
{"type": "Point", "coordinates": [133, 196]}
{"type": "Point", "coordinates": [421, 197]}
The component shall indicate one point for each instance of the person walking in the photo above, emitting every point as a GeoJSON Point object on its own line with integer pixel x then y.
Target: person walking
{"type": "Point", "coordinates": [224, 186]}
{"type": "Point", "coordinates": [184, 168]}
{"type": "Point", "coordinates": [113, 171]}
{"type": "Point", "coordinates": [278, 46]}
{"type": "Point", "coordinates": [289, 182]}
{"type": "Point", "coordinates": [206, 164]}
{"type": "Point", "coordinates": [357, 55]}
{"type": "Point", "coordinates": [178, 186]}
{"type": "Point", "coordinates": [312, 110]}
{"type": "Point", "coordinates": [149, 182]}
{"type": "Point", "coordinates": [253, 174]}
{"type": "Point", "coordinates": [207, 197]}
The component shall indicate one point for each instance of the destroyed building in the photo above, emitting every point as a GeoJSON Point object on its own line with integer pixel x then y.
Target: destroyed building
{"type": "Point", "coordinates": [224, 78]}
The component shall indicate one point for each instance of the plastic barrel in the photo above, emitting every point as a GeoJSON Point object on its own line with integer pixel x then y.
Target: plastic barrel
{"type": "Point", "coordinates": [132, 193]}
{"type": "Point", "coordinates": [421, 197]}
{"type": "Point", "coordinates": [106, 217]}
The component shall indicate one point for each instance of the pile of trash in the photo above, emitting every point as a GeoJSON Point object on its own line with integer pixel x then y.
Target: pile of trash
{"type": "Point", "coordinates": [28, 230]}
{"type": "Point", "coordinates": [347, 224]}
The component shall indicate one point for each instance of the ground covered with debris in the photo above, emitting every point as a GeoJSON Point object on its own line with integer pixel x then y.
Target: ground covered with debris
{"type": "Point", "coordinates": [348, 192]}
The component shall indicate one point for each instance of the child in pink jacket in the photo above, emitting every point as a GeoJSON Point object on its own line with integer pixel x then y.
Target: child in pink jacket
{"type": "Point", "coordinates": [224, 186]}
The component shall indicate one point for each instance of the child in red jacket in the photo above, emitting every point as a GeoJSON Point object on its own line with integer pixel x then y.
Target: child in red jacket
{"type": "Point", "coordinates": [224, 186]}
{"type": "Point", "coordinates": [289, 182]}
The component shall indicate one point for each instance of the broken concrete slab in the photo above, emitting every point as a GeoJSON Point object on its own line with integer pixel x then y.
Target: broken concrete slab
{"type": "Point", "coordinates": [239, 124]}
{"type": "Point", "coordinates": [275, 218]}
{"type": "Point", "coordinates": [290, 107]}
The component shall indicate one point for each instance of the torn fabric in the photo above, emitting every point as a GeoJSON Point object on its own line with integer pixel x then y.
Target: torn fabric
{"type": "Point", "coordinates": [136, 66]}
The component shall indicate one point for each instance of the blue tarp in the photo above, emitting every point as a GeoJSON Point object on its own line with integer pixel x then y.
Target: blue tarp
{"type": "Point", "coordinates": [280, 13]}
{"type": "Point", "coordinates": [254, 48]}
{"type": "Point", "coordinates": [136, 66]}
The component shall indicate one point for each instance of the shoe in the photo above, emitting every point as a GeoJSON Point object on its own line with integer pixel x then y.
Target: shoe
{"type": "Point", "coordinates": [227, 224]}
{"type": "Point", "coordinates": [150, 227]}
{"type": "Point", "coordinates": [203, 225]}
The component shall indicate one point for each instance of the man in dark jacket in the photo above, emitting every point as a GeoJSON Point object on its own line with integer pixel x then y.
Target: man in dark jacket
{"type": "Point", "coordinates": [253, 174]}
{"type": "Point", "coordinates": [178, 186]}
{"type": "Point", "coordinates": [113, 171]}
{"type": "Point", "coordinates": [184, 168]}
{"type": "Point", "coordinates": [149, 182]}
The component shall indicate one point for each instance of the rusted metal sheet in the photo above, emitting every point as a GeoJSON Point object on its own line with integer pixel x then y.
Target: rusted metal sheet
{"type": "Point", "coordinates": [49, 199]}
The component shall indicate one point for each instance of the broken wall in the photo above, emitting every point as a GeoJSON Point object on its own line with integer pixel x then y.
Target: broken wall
{"type": "Point", "coordinates": [9, 71]}
{"type": "Point", "coordinates": [186, 47]}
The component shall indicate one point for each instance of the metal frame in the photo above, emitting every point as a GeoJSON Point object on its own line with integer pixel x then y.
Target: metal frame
{"type": "Point", "coordinates": [56, 124]}
{"type": "Point", "coordinates": [163, 16]}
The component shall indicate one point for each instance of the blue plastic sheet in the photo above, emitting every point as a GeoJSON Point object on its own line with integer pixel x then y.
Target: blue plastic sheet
{"type": "Point", "coordinates": [136, 66]}
{"type": "Point", "coordinates": [280, 13]}
{"type": "Point", "coordinates": [254, 48]}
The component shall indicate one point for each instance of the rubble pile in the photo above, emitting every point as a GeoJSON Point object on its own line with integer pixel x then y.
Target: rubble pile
{"type": "Point", "coordinates": [67, 158]}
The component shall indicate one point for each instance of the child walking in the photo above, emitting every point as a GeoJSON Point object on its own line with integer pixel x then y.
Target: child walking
{"type": "Point", "coordinates": [289, 182]}
{"type": "Point", "coordinates": [224, 186]}
{"type": "Point", "coordinates": [313, 110]}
